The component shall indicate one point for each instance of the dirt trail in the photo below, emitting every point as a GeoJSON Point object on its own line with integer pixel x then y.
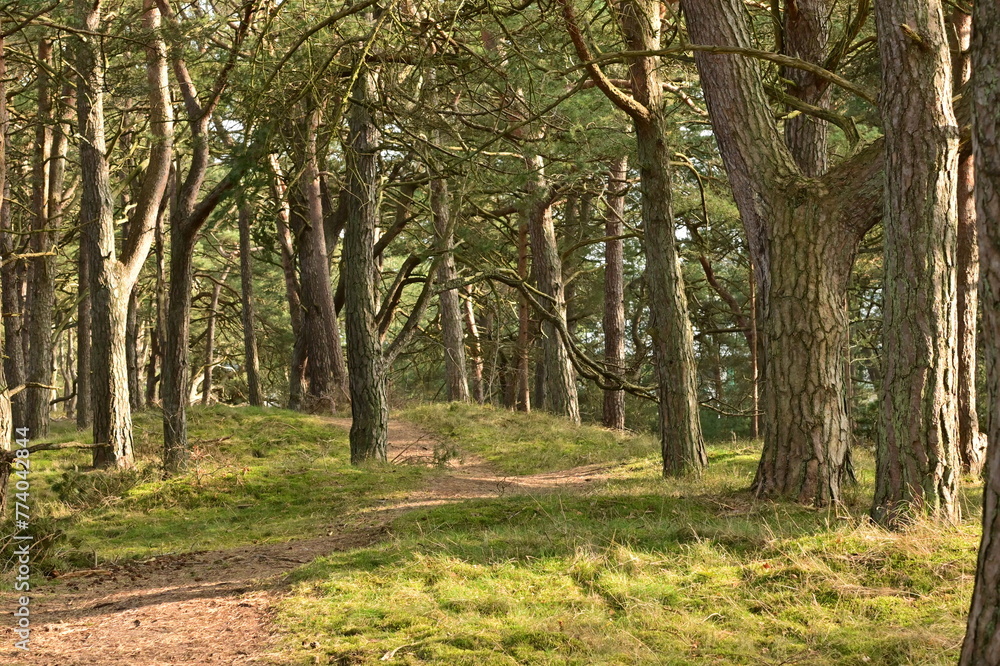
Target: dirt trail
{"type": "Point", "coordinates": [215, 607]}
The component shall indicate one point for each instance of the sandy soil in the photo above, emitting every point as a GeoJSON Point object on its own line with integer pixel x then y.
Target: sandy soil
{"type": "Point", "coordinates": [215, 607]}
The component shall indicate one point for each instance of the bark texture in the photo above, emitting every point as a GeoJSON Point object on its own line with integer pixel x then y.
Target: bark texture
{"type": "Point", "coordinates": [613, 414]}
{"type": "Point", "coordinates": [673, 340]}
{"type": "Point", "coordinates": [251, 360]}
{"type": "Point", "coordinates": [449, 307]}
{"type": "Point", "coordinates": [982, 640]}
{"type": "Point", "coordinates": [325, 364]}
{"type": "Point", "coordinates": [802, 233]}
{"type": "Point", "coordinates": [40, 298]}
{"type": "Point", "coordinates": [917, 456]}
{"type": "Point", "coordinates": [971, 442]}
{"type": "Point", "coordinates": [559, 378]}
{"type": "Point", "coordinates": [681, 441]}
{"type": "Point", "coordinates": [6, 423]}
{"type": "Point", "coordinates": [475, 346]}
{"type": "Point", "coordinates": [366, 366]}
{"type": "Point", "coordinates": [111, 280]}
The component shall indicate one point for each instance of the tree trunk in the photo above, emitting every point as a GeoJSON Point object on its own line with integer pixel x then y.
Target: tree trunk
{"type": "Point", "coordinates": [251, 360]}
{"type": "Point", "coordinates": [670, 326]}
{"type": "Point", "coordinates": [475, 347]}
{"type": "Point", "coordinates": [175, 374]}
{"type": "Point", "coordinates": [982, 641]}
{"type": "Point", "coordinates": [84, 382]}
{"type": "Point", "coordinates": [449, 310]}
{"type": "Point", "coordinates": [971, 442]}
{"type": "Point", "coordinates": [11, 282]}
{"type": "Point", "coordinates": [807, 30]}
{"type": "Point", "coordinates": [917, 464]}
{"type": "Point", "coordinates": [109, 300]}
{"type": "Point", "coordinates": [754, 347]}
{"type": "Point", "coordinates": [133, 336]}
{"type": "Point", "coordinates": [367, 372]}
{"type": "Point", "coordinates": [213, 315]}
{"type": "Point", "coordinates": [6, 422]}
{"type": "Point", "coordinates": [155, 365]}
{"type": "Point", "coordinates": [296, 374]}
{"type": "Point", "coordinates": [791, 220]}
{"type": "Point", "coordinates": [806, 429]}
{"type": "Point", "coordinates": [522, 370]}
{"type": "Point", "coordinates": [559, 377]}
{"type": "Point", "coordinates": [320, 328]}
{"type": "Point", "coordinates": [40, 301]}
{"type": "Point", "coordinates": [681, 441]}
{"type": "Point", "coordinates": [614, 291]}
{"type": "Point", "coordinates": [188, 214]}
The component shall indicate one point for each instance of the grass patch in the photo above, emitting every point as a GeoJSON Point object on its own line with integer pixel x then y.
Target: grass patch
{"type": "Point", "coordinates": [633, 570]}
{"type": "Point", "coordinates": [256, 475]}
{"type": "Point", "coordinates": [639, 570]}
{"type": "Point", "coordinates": [518, 443]}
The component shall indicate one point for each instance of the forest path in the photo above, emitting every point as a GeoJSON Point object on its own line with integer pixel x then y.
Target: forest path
{"type": "Point", "coordinates": [216, 607]}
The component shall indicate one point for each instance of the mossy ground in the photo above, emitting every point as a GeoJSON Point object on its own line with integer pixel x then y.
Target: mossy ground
{"type": "Point", "coordinates": [639, 570]}
{"type": "Point", "coordinates": [636, 569]}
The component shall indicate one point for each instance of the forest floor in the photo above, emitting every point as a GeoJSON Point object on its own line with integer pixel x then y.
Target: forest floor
{"type": "Point", "coordinates": [217, 607]}
{"type": "Point", "coordinates": [491, 538]}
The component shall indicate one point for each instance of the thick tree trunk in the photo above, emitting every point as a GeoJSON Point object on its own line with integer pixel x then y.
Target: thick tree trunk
{"type": "Point", "coordinates": [917, 457]}
{"type": "Point", "coordinates": [449, 310]}
{"type": "Point", "coordinates": [806, 429]}
{"type": "Point", "coordinates": [982, 640]}
{"type": "Point", "coordinates": [367, 372]}
{"type": "Point", "coordinates": [251, 360]}
{"type": "Point", "coordinates": [790, 221]}
{"type": "Point", "coordinates": [112, 411]}
{"type": "Point", "coordinates": [320, 328]}
{"type": "Point", "coordinates": [614, 291]}
{"type": "Point", "coordinates": [559, 377]}
{"type": "Point", "coordinates": [112, 420]}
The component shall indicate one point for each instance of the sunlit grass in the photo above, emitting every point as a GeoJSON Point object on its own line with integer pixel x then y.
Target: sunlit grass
{"type": "Point", "coordinates": [638, 570]}
{"type": "Point", "coordinates": [519, 443]}
{"type": "Point", "coordinates": [635, 569]}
